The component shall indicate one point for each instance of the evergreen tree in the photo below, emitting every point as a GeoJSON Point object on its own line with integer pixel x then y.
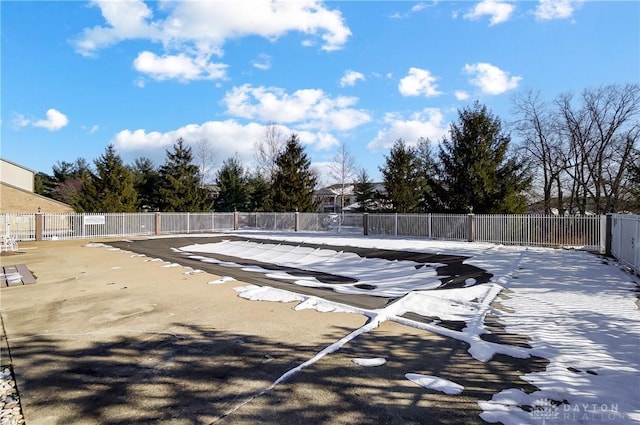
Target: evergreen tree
{"type": "Point", "coordinates": [363, 189]}
{"type": "Point", "coordinates": [401, 178]}
{"type": "Point", "coordinates": [110, 189]}
{"type": "Point", "coordinates": [259, 191]}
{"type": "Point", "coordinates": [147, 183]}
{"type": "Point", "coordinates": [233, 187]}
{"type": "Point", "coordinates": [68, 178]}
{"type": "Point", "coordinates": [180, 182]}
{"type": "Point", "coordinates": [427, 171]}
{"type": "Point", "coordinates": [43, 184]}
{"type": "Point", "coordinates": [475, 171]}
{"type": "Point", "coordinates": [293, 181]}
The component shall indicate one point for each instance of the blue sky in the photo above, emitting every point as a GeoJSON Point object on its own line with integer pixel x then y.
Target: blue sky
{"type": "Point", "coordinates": [77, 76]}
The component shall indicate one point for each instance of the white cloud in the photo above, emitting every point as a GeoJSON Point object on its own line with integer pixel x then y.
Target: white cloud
{"type": "Point", "coordinates": [262, 62]}
{"type": "Point", "coordinates": [490, 79]}
{"type": "Point", "coordinates": [428, 123]}
{"type": "Point", "coordinates": [125, 20]}
{"type": "Point", "coordinates": [20, 121]}
{"type": "Point", "coordinates": [498, 10]}
{"type": "Point", "coordinates": [309, 109]}
{"type": "Point", "coordinates": [461, 95]}
{"type": "Point", "coordinates": [418, 7]}
{"type": "Point", "coordinates": [179, 66]}
{"type": "Point", "coordinates": [193, 31]}
{"type": "Point", "coordinates": [227, 138]}
{"type": "Point", "coordinates": [90, 130]}
{"type": "Point", "coordinates": [55, 121]}
{"type": "Point", "coordinates": [556, 9]}
{"type": "Point", "coordinates": [350, 78]}
{"type": "Point", "coordinates": [418, 82]}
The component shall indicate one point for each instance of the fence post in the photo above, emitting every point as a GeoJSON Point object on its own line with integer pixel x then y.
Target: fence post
{"type": "Point", "coordinates": [608, 228]}
{"type": "Point", "coordinates": [471, 228]}
{"type": "Point", "coordinates": [296, 226]}
{"type": "Point", "coordinates": [395, 224]}
{"type": "Point", "coordinates": [236, 220]}
{"type": "Point", "coordinates": [365, 224]}
{"type": "Point", "coordinates": [39, 226]}
{"type": "Point", "coordinates": [636, 245]}
{"type": "Point", "coordinates": [158, 224]}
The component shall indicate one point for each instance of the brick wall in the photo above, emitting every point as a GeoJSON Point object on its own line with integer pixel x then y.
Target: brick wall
{"type": "Point", "coordinates": [14, 200]}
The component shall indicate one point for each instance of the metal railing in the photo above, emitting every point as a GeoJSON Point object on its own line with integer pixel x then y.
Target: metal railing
{"type": "Point", "coordinates": [625, 240]}
{"type": "Point", "coordinates": [616, 234]}
{"type": "Point", "coordinates": [582, 232]}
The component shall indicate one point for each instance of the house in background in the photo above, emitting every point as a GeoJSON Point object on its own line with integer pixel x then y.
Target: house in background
{"type": "Point", "coordinates": [332, 199]}
{"type": "Point", "coordinates": [17, 192]}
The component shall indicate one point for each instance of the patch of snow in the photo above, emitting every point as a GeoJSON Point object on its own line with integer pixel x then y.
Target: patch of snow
{"type": "Point", "coordinates": [266, 293]}
{"type": "Point", "coordinates": [389, 278]}
{"type": "Point", "coordinates": [370, 362]}
{"type": "Point", "coordinates": [99, 245]}
{"type": "Point", "coordinates": [435, 383]}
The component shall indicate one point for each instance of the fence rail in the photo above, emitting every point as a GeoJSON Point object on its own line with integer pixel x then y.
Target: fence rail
{"type": "Point", "coordinates": [617, 234]}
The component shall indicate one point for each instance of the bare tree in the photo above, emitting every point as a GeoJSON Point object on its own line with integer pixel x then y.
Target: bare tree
{"type": "Point", "coordinates": [343, 170]}
{"type": "Point", "coordinates": [536, 126]}
{"type": "Point", "coordinates": [603, 131]}
{"type": "Point", "coordinates": [205, 157]}
{"type": "Point", "coordinates": [268, 149]}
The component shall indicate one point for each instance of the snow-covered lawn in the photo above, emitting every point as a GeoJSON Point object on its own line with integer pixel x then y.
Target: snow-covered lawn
{"type": "Point", "coordinates": [578, 310]}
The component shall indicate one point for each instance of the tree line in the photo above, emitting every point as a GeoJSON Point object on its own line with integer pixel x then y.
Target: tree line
{"type": "Point", "coordinates": [177, 185]}
{"type": "Point", "coordinates": [576, 154]}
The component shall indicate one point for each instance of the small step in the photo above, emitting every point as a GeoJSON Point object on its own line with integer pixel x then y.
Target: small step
{"type": "Point", "coordinates": [15, 275]}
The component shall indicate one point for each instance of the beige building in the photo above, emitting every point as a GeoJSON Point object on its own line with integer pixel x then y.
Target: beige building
{"type": "Point", "coordinates": [17, 192]}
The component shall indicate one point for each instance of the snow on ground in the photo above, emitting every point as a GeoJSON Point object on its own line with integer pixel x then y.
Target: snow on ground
{"type": "Point", "coordinates": [579, 311]}
{"type": "Point", "coordinates": [370, 362]}
{"type": "Point", "coordinates": [435, 383]}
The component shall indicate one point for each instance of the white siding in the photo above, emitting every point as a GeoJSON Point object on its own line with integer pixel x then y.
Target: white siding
{"type": "Point", "coordinates": [16, 175]}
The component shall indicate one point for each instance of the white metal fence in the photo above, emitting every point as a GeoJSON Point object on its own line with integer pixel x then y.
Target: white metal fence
{"type": "Point", "coordinates": [583, 232]}
{"type": "Point", "coordinates": [432, 226]}
{"type": "Point", "coordinates": [619, 232]}
{"type": "Point", "coordinates": [625, 240]}
{"type": "Point", "coordinates": [267, 221]}
{"type": "Point", "coordinates": [195, 222]}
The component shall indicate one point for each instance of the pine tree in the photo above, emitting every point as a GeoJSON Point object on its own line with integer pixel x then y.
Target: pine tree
{"type": "Point", "coordinates": [293, 182]}
{"type": "Point", "coordinates": [110, 189]}
{"type": "Point", "coordinates": [259, 191]}
{"type": "Point", "coordinates": [180, 182]}
{"type": "Point", "coordinates": [67, 180]}
{"type": "Point", "coordinates": [43, 184]}
{"type": "Point", "coordinates": [363, 190]}
{"type": "Point", "coordinates": [476, 172]}
{"type": "Point", "coordinates": [147, 184]}
{"type": "Point", "coordinates": [401, 177]}
{"type": "Point", "coordinates": [427, 170]}
{"type": "Point", "coordinates": [233, 187]}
